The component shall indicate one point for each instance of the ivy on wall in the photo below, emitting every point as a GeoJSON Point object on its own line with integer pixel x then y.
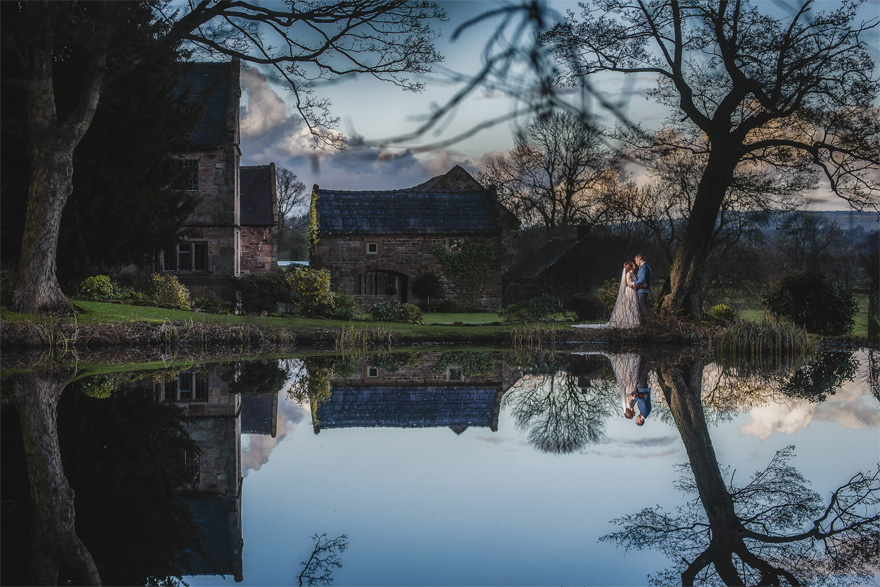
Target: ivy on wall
{"type": "Point", "coordinates": [472, 364]}
{"type": "Point", "coordinates": [314, 233]}
{"type": "Point", "coordinates": [467, 268]}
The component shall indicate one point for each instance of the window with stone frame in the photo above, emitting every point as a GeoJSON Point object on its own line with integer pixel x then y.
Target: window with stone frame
{"type": "Point", "coordinates": [186, 256]}
{"type": "Point", "coordinates": [372, 248]}
{"type": "Point", "coordinates": [454, 374]}
{"type": "Point", "coordinates": [188, 175]}
{"type": "Point", "coordinates": [188, 386]}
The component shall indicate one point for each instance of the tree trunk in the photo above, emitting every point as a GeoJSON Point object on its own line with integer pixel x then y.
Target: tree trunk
{"type": "Point", "coordinates": [683, 296]}
{"type": "Point", "coordinates": [682, 388]}
{"type": "Point", "coordinates": [54, 530]}
{"type": "Point", "coordinates": [38, 290]}
{"type": "Point", "coordinates": [51, 143]}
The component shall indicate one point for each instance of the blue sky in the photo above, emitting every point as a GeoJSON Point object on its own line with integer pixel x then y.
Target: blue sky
{"type": "Point", "coordinates": [371, 111]}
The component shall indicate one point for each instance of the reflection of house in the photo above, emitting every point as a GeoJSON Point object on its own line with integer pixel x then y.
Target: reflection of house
{"type": "Point", "coordinates": [375, 243]}
{"type": "Point", "coordinates": [232, 228]}
{"type": "Point", "coordinates": [212, 419]}
{"type": "Point", "coordinates": [435, 393]}
{"type": "Point", "coordinates": [259, 414]}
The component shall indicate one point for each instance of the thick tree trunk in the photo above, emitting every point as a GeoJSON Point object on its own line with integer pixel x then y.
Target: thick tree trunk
{"type": "Point", "coordinates": [54, 532]}
{"type": "Point", "coordinates": [682, 388]}
{"type": "Point", "coordinates": [683, 296]}
{"type": "Point", "coordinates": [51, 184]}
{"type": "Point", "coordinates": [51, 144]}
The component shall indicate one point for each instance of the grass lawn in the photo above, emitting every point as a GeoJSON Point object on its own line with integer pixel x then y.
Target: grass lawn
{"type": "Point", "coordinates": [436, 326]}
{"type": "Point", "coordinates": [473, 318]}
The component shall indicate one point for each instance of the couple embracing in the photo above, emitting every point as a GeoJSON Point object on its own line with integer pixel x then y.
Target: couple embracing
{"type": "Point", "coordinates": [631, 307]}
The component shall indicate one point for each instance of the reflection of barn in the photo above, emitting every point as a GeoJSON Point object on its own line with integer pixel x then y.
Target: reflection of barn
{"type": "Point", "coordinates": [437, 392]}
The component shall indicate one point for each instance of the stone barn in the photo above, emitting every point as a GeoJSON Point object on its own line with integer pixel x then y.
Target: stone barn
{"type": "Point", "coordinates": [448, 231]}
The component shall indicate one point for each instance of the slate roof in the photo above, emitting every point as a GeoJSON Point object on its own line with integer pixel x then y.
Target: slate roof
{"type": "Point", "coordinates": [541, 260]}
{"type": "Point", "coordinates": [408, 407]}
{"type": "Point", "coordinates": [257, 203]}
{"type": "Point", "coordinates": [258, 414]}
{"type": "Point", "coordinates": [453, 203]}
{"type": "Point", "coordinates": [208, 84]}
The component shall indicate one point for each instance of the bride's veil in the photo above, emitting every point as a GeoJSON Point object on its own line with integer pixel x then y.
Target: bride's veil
{"type": "Point", "coordinates": [616, 313]}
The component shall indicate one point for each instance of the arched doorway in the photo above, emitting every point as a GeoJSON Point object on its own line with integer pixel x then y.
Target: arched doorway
{"type": "Point", "coordinates": [383, 283]}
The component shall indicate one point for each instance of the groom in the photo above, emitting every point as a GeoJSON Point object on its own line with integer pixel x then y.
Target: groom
{"type": "Point", "coordinates": [642, 285]}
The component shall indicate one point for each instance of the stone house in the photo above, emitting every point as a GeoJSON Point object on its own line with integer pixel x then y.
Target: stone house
{"type": "Point", "coordinates": [377, 243]}
{"type": "Point", "coordinates": [231, 231]}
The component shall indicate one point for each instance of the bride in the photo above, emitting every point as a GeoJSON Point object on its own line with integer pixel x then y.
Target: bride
{"type": "Point", "coordinates": [626, 308]}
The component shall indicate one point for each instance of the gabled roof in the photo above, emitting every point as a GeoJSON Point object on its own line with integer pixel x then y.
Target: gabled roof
{"type": "Point", "coordinates": [209, 85]}
{"type": "Point", "coordinates": [541, 260]}
{"type": "Point", "coordinates": [452, 203]}
{"type": "Point", "coordinates": [258, 202]}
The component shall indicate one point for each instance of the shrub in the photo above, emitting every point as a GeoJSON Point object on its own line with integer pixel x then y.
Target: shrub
{"type": "Point", "coordinates": [390, 290]}
{"type": "Point", "coordinates": [310, 290]}
{"type": "Point", "coordinates": [543, 307]}
{"type": "Point", "coordinates": [211, 306]}
{"type": "Point", "coordinates": [395, 311]}
{"type": "Point", "coordinates": [170, 292]}
{"type": "Point", "coordinates": [607, 294]}
{"type": "Point", "coordinates": [261, 292]}
{"type": "Point", "coordinates": [723, 312]}
{"type": "Point", "coordinates": [813, 301]}
{"type": "Point", "coordinates": [99, 287]}
{"type": "Point", "coordinates": [587, 307]}
{"type": "Point", "coordinates": [345, 307]}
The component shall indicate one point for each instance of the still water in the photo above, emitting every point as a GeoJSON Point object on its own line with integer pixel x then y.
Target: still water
{"type": "Point", "coordinates": [448, 468]}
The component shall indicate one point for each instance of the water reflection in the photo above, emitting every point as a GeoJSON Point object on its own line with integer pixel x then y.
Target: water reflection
{"type": "Point", "coordinates": [155, 457]}
{"type": "Point", "coordinates": [771, 530]}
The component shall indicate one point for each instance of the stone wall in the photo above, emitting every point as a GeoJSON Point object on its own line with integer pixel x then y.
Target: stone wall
{"type": "Point", "coordinates": [347, 258]}
{"type": "Point", "coordinates": [259, 249]}
{"type": "Point", "coordinates": [218, 186]}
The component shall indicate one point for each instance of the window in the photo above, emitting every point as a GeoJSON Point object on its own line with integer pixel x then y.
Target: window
{"type": "Point", "coordinates": [372, 248]}
{"type": "Point", "coordinates": [188, 175]}
{"type": "Point", "coordinates": [454, 374]}
{"type": "Point", "coordinates": [188, 256]}
{"type": "Point", "coordinates": [191, 461]}
{"type": "Point", "coordinates": [187, 387]}
{"type": "Point", "coordinates": [454, 244]}
{"type": "Point", "coordinates": [372, 372]}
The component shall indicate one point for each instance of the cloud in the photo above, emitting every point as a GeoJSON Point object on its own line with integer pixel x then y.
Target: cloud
{"type": "Point", "coordinates": [273, 131]}
{"type": "Point", "coordinates": [849, 407]}
{"type": "Point", "coordinates": [260, 446]}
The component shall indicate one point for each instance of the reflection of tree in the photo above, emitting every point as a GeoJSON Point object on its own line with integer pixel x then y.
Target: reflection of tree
{"type": "Point", "coordinates": [127, 455]}
{"type": "Point", "coordinates": [816, 380]}
{"type": "Point", "coordinates": [559, 416]}
{"type": "Point", "coordinates": [318, 569]}
{"type": "Point", "coordinates": [124, 456]}
{"type": "Point", "coordinates": [258, 378]}
{"type": "Point", "coordinates": [773, 530]}
{"type": "Point", "coordinates": [53, 532]}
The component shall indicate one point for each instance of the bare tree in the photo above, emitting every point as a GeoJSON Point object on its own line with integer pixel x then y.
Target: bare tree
{"type": "Point", "coordinates": [291, 195]}
{"type": "Point", "coordinates": [556, 173]}
{"type": "Point", "coordinates": [318, 569]}
{"type": "Point", "coordinates": [758, 90]}
{"type": "Point", "coordinates": [300, 42]}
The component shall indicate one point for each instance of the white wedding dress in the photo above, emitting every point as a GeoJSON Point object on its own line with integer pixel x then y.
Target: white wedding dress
{"type": "Point", "coordinates": [626, 309]}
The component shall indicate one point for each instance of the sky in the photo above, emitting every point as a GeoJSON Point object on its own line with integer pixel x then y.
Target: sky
{"type": "Point", "coordinates": [371, 112]}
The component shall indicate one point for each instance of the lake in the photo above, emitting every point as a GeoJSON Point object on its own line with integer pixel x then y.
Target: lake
{"type": "Point", "coordinates": [445, 467]}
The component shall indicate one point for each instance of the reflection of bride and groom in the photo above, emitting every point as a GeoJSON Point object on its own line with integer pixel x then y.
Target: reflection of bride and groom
{"type": "Point", "coordinates": [631, 308]}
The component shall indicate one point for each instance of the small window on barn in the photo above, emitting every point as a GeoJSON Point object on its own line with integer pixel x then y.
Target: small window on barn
{"type": "Point", "coordinates": [372, 248]}
{"type": "Point", "coordinates": [454, 374]}
{"type": "Point", "coordinates": [454, 244]}
{"type": "Point", "coordinates": [372, 372]}
{"type": "Point", "coordinates": [188, 175]}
